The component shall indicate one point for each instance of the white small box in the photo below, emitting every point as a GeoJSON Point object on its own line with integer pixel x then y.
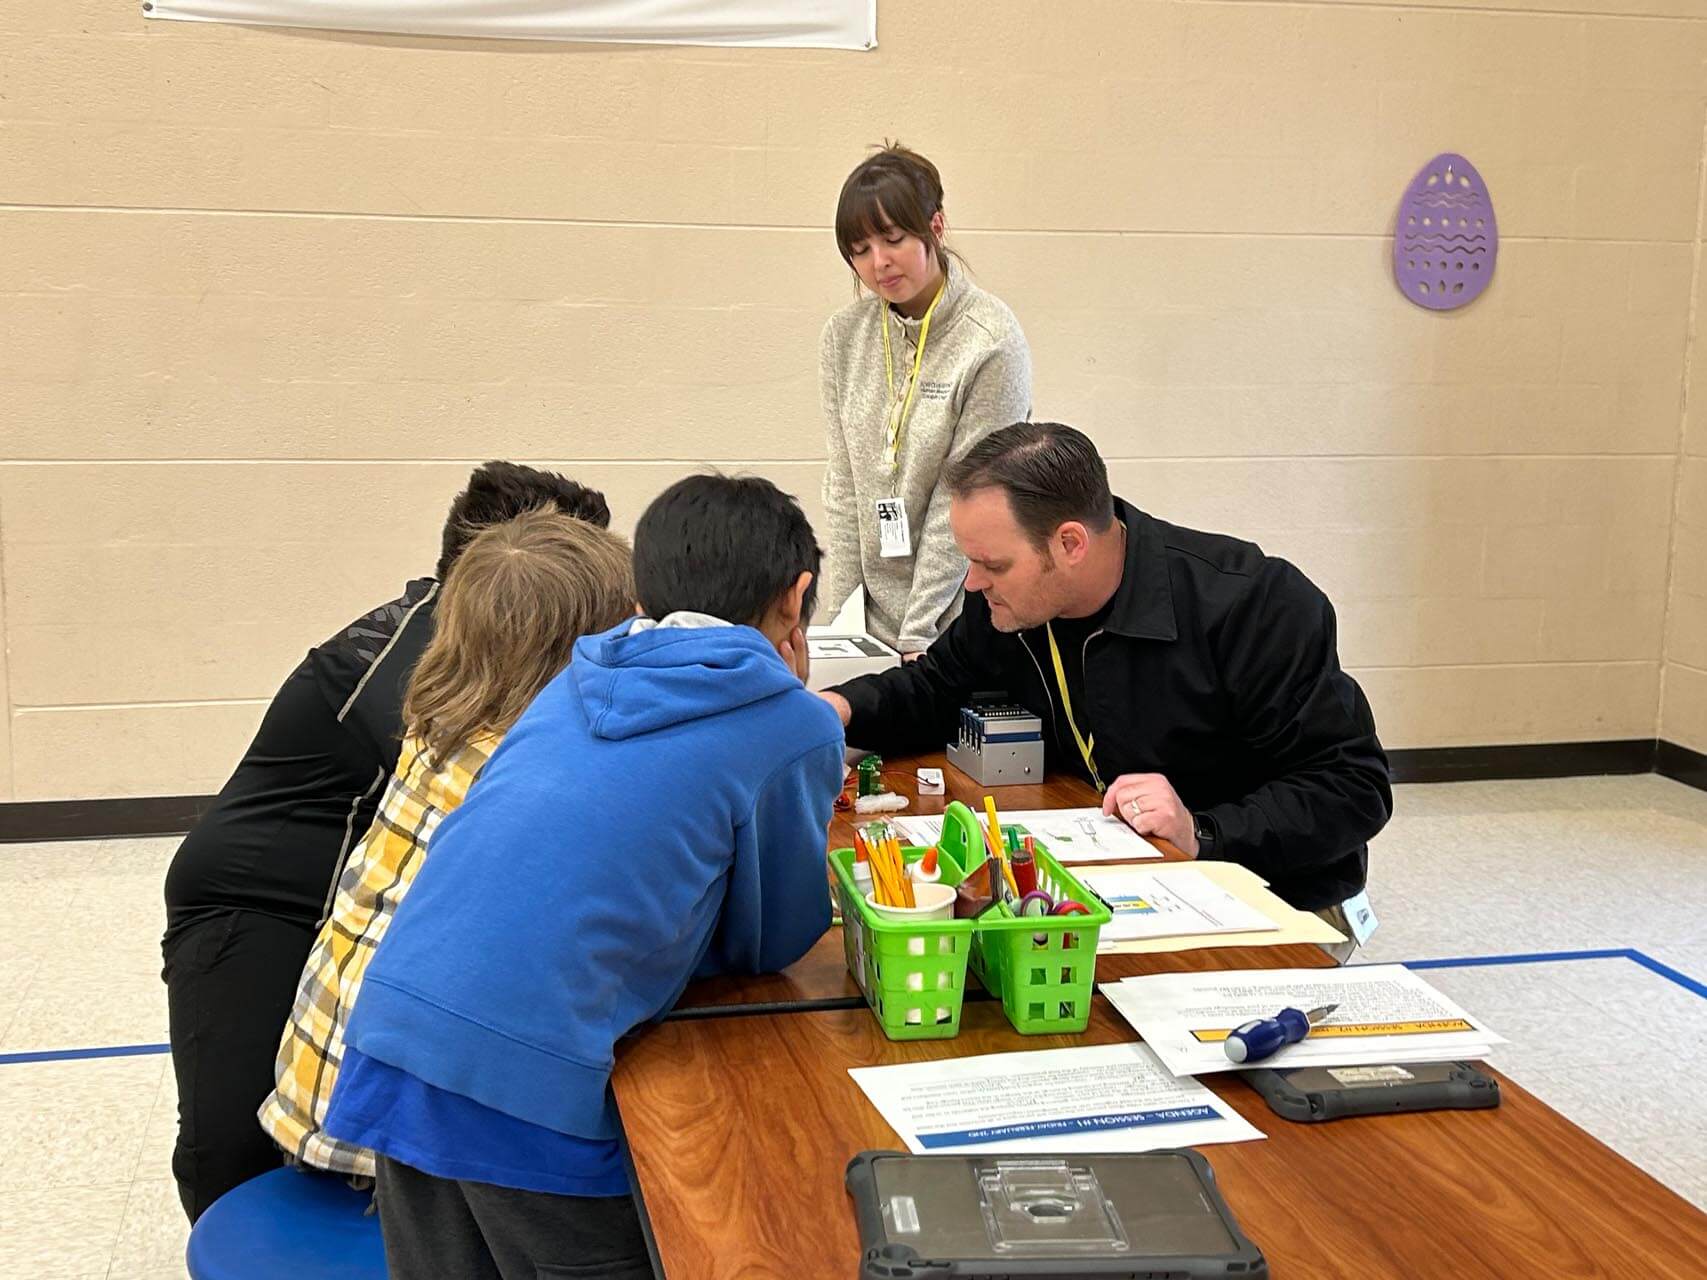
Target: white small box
{"type": "Point", "coordinates": [842, 649]}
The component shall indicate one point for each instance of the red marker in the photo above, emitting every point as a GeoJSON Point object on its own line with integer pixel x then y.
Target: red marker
{"type": "Point", "coordinates": [1024, 864]}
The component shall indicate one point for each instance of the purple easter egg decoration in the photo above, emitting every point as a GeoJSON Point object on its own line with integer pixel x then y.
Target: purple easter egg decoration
{"type": "Point", "coordinates": [1446, 240]}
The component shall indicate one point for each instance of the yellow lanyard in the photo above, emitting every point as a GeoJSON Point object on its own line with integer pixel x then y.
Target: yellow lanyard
{"type": "Point", "coordinates": [898, 417]}
{"type": "Point", "coordinates": [1086, 745]}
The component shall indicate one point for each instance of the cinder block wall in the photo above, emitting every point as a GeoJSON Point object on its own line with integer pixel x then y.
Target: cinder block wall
{"type": "Point", "coordinates": [266, 295]}
{"type": "Point", "coordinates": [1683, 712]}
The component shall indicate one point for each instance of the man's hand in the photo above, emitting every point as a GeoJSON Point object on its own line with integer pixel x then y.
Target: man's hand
{"type": "Point", "coordinates": [913, 656]}
{"type": "Point", "coordinates": [1149, 805]}
{"type": "Point", "coordinates": [839, 703]}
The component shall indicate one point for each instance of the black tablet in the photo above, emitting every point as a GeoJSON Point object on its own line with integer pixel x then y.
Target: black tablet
{"type": "Point", "coordinates": [1056, 1215]}
{"type": "Point", "coordinates": [1328, 1093]}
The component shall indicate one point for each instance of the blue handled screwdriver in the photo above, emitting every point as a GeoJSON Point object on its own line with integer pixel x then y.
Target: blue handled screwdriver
{"type": "Point", "coordinates": [1261, 1037]}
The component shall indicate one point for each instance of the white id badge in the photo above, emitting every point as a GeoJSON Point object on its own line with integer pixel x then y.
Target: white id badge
{"type": "Point", "coordinates": [1360, 916]}
{"type": "Point", "coordinates": [893, 536]}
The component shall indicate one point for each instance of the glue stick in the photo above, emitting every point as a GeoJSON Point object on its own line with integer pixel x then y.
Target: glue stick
{"type": "Point", "coordinates": [926, 870]}
{"type": "Point", "coordinates": [862, 867]}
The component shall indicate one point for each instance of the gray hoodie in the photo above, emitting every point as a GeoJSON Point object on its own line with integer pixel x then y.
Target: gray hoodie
{"type": "Point", "coordinates": [976, 378]}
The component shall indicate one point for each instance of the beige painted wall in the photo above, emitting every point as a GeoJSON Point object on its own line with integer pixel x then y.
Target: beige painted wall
{"type": "Point", "coordinates": [266, 295]}
{"type": "Point", "coordinates": [1683, 709]}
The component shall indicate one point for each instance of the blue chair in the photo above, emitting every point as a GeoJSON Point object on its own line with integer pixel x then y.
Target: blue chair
{"type": "Point", "coordinates": [288, 1225]}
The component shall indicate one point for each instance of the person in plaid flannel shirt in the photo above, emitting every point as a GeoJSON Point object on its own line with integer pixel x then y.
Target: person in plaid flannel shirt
{"type": "Point", "coordinates": [511, 610]}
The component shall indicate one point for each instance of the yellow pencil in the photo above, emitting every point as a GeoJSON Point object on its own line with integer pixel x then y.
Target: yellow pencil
{"type": "Point", "coordinates": [993, 838]}
{"type": "Point", "coordinates": [883, 878]}
{"type": "Point", "coordinates": [898, 875]}
{"type": "Point", "coordinates": [879, 872]}
{"type": "Point", "coordinates": [909, 899]}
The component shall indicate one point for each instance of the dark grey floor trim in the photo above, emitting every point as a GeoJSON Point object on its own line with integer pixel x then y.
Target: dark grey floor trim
{"type": "Point", "coordinates": [1541, 760]}
{"type": "Point", "coordinates": [100, 819]}
{"type": "Point", "coordinates": [174, 815]}
{"type": "Point", "coordinates": [1680, 764]}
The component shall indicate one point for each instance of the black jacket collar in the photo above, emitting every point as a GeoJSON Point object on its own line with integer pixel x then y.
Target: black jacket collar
{"type": "Point", "coordinates": [1143, 605]}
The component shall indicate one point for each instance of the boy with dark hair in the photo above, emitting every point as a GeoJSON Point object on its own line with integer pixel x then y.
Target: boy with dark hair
{"type": "Point", "coordinates": [248, 887]}
{"type": "Point", "coordinates": [658, 813]}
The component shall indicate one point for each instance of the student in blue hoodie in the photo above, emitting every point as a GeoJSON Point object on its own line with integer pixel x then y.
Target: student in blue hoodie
{"type": "Point", "coordinates": [657, 814]}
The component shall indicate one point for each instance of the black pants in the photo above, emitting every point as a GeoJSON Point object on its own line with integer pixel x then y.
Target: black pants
{"type": "Point", "coordinates": [230, 983]}
{"type": "Point", "coordinates": [435, 1228]}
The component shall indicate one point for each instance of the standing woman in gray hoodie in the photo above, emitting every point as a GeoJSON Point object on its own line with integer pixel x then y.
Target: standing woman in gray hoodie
{"type": "Point", "coordinates": [916, 371]}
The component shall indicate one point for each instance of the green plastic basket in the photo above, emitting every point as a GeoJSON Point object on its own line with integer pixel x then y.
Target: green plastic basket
{"type": "Point", "coordinates": [914, 975]}
{"type": "Point", "coordinates": [1043, 968]}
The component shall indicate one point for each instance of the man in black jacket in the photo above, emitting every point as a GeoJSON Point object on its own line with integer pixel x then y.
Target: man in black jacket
{"type": "Point", "coordinates": [1191, 678]}
{"type": "Point", "coordinates": [249, 886]}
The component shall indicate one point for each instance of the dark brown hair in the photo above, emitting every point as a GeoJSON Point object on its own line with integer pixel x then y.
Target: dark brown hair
{"type": "Point", "coordinates": [517, 599]}
{"type": "Point", "coordinates": [896, 187]}
{"type": "Point", "coordinates": [730, 546]}
{"type": "Point", "coordinates": [501, 491]}
{"type": "Point", "coordinates": [1050, 472]}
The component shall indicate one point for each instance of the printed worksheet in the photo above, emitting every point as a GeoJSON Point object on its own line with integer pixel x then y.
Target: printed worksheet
{"type": "Point", "coordinates": [1170, 902]}
{"type": "Point", "coordinates": [1106, 1097]}
{"type": "Point", "coordinates": [827, 647]}
{"type": "Point", "coordinates": [1070, 835]}
{"type": "Point", "coordinates": [1385, 1014]}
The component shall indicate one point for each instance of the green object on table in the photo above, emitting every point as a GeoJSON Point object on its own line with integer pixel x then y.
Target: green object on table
{"type": "Point", "coordinates": [914, 975]}
{"type": "Point", "coordinates": [871, 776]}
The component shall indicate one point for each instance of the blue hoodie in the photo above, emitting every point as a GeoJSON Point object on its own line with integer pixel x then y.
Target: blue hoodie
{"type": "Point", "coordinates": [658, 812]}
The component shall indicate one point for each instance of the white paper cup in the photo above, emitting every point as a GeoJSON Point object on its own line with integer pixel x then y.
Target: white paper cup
{"type": "Point", "coordinates": [936, 902]}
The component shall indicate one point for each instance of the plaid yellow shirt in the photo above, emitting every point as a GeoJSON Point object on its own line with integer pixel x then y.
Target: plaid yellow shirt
{"type": "Point", "coordinates": [374, 880]}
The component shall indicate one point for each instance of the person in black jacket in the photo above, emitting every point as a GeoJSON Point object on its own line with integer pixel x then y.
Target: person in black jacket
{"type": "Point", "coordinates": [1191, 678]}
{"type": "Point", "coordinates": [248, 888]}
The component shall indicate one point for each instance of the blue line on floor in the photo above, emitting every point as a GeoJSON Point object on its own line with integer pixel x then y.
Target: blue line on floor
{"type": "Point", "coordinates": [1647, 962]}
{"type": "Point", "coordinates": [1666, 971]}
{"type": "Point", "coordinates": [69, 1055]}
{"type": "Point", "coordinates": [1454, 962]}
{"type": "Point", "coordinates": [1535, 957]}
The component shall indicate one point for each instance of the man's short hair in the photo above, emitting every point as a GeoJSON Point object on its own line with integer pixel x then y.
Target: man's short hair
{"type": "Point", "coordinates": [729, 546]}
{"type": "Point", "coordinates": [1050, 472]}
{"type": "Point", "coordinates": [500, 491]}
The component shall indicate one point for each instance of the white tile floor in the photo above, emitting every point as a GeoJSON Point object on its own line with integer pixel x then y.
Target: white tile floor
{"type": "Point", "coordinates": [1475, 869]}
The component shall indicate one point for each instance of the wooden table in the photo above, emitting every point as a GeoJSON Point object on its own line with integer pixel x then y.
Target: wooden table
{"type": "Point", "coordinates": [740, 1119]}
{"type": "Point", "coordinates": [740, 1129]}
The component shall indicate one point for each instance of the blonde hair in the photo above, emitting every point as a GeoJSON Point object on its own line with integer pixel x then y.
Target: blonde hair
{"type": "Point", "coordinates": [515, 603]}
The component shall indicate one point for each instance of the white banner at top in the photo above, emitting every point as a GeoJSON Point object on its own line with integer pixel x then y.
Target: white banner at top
{"type": "Point", "coordinates": [801, 24]}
